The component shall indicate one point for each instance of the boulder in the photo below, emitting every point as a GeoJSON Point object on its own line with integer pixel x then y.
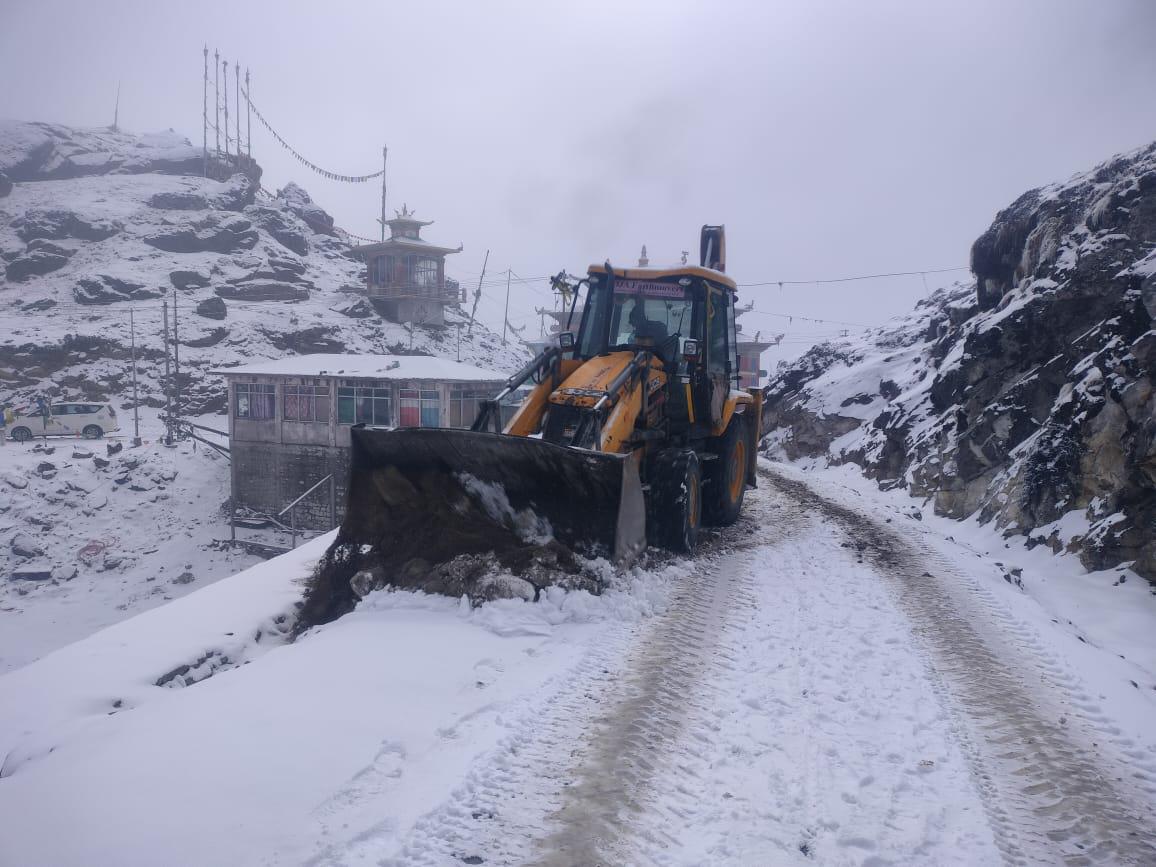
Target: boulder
{"type": "Point", "coordinates": [104, 289]}
{"type": "Point", "coordinates": [25, 547]}
{"type": "Point", "coordinates": [360, 309]}
{"type": "Point", "coordinates": [188, 279]}
{"type": "Point", "coordinates": [216, 233]}
{"type": "Point", "coordinates": [299, 202]}
{"type": "Point", "coordinates": [5, 185]}
{"type": "Point", "coordinates": [34, 264]}
{"type": "Point", "coordinates": [212, 308]}
{"type": "Point", "coordinates": [236, 194]}
{"type": "Point", "coordinates": [37, 306]}
{"type": "Point", "coordinates": [319, 338]}
{"type": "Point", "coordinates": [57, 223]}
{"type": "Point", "coordinates": [284, 268]}
{"type": "Point", "coordinates": [209, 338]}
{"type": "Point", "coordinates": [285, 228]}
{"type": "Point", "coordinates": [263, 290]}
{"type": "Point", "coordinates": [179, 200]}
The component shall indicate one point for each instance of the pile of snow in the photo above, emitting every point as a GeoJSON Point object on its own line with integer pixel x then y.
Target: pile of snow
{"type": "Point", "coordinates": [113, 746]}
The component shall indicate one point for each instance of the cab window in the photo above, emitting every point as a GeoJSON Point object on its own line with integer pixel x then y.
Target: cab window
{"type": "Point", "coordinates": [720, 320]}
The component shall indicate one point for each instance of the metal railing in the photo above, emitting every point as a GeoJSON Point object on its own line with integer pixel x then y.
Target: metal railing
{"type": "Point", "coordinates": [275, 520]}
{"type": "Point", "coordinates": [292, 507]}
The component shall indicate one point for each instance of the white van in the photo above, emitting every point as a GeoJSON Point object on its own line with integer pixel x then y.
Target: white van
{"type": "Point", "coordinates": [91, 420]}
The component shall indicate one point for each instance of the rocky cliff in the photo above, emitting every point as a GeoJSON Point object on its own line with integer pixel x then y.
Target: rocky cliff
{"type": "Point", "coordinates": [95, 221]}
{"type": "Point", "coordinates": [1025, 398]}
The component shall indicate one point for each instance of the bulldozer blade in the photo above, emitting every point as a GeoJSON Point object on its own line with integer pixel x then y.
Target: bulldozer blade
{"type": "Point", "coordinates": [593, 502]}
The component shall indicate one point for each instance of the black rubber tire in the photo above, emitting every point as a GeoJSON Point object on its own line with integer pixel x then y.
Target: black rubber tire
{"type": "Point", "coordinates": [92, 432]}
{"type": "Point", "coordinates": [726, 475]}
{"type": "Point", "coordinates": [674, 506]}
{"type": "Point", "coordinates": [21, 434]}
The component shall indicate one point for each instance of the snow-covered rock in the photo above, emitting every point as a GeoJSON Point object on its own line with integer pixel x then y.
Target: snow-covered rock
{"type": "Point", "coordinates": [1027, 397]}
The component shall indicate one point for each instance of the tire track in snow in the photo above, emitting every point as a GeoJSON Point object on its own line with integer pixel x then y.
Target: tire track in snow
{"type": "Point", "coordinates": [664, 683]}
{"type": "Point", "coordinates": [1048, 796]}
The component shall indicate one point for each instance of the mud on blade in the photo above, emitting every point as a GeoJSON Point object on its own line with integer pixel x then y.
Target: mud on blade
{"type": "Point", "coordinates": [592, 501]}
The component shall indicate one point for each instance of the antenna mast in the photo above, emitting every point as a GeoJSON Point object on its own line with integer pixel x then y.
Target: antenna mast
{"type": "Point", "coordinates": [217, 102]}
{"type": "Point", "coordinates": [205, 117]}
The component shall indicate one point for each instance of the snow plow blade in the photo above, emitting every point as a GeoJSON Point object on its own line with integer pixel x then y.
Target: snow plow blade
{"type": "Point", "coordinates": [592, 502]}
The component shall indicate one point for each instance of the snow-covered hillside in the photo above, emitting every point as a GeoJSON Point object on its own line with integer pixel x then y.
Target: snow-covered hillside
{"type": "Point", "coordinates": [98, 221]}
{"type": "Point", "coordinates": [92, 223]}
{"type": "Point", "coordinates": [1027, 397]}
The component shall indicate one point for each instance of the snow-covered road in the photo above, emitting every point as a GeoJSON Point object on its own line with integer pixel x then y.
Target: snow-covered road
{"type": "Point", "coordinates": [823, 689]}
{"type": "Point", "coordinates": [828, 682]}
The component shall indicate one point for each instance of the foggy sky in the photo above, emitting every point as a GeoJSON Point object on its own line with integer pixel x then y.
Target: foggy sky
{"type": "Point", "coordinates": [832, 138]}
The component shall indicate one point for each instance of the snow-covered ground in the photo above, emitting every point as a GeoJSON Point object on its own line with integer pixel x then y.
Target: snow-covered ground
{"type": "Point", "coordinates": [117, 539]}
{"type": "Point", "coordinates": [830, 681]}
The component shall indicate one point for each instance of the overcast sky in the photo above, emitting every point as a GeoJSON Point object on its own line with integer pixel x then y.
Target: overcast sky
{"type": "Point", "coordinates": [832, 138]}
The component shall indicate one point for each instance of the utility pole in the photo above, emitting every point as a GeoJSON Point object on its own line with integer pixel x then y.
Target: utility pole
{"type": "Point", "coordinates": [205, 115]}
{"type": "Point", "coordinates": [225, 75]}
{"type": "Point", "coordinates": [458, 326]}
{"type": "Point", "coordinates": [116, 111]}
{"type": "Point", "coordinates": [216, 107]}
{"type": "Point", "coordinates": [384, 156]}
{"type": "Point", "coordinates": [135, 401]}
{"type": "Point", "coordinates": [168, 380]}
{"type": "Point", "coordinates": [237, 101]}
{"type": "Point", "coordinates": [478, 293]}
{"type": "Point", "coordinates": [176, 361]}
{"type": "Point", "coordinates": [506, 315]}
{"type": "Point", "coordinates": [248, 118]}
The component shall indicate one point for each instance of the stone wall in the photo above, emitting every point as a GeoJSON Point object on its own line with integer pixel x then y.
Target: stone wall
{"type": "Point", "coordinates": [268, 476]}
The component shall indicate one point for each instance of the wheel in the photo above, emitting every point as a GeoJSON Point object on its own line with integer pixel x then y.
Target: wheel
{"type": "Point", "coordinates": [92, 432]}
{"type": "Point", "coordinates": [21, 434]}
{"type": "Point", "coordinates": [726, 476]}
{"type": "Point", "coordinates": [674, 507]}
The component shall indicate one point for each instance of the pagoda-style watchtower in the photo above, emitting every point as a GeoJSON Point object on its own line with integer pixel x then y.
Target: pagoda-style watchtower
{"type": "Point", "coordinates": [407, 274]}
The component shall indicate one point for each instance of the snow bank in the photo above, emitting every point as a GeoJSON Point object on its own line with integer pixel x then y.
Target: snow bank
{"type": "Point", "coordinates": [383, 710]}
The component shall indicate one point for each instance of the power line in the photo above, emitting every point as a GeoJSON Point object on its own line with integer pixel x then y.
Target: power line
{"type": "Point", "coordinates": [857, 277]}
{"type": "Point", "coordinates": [794, 316]}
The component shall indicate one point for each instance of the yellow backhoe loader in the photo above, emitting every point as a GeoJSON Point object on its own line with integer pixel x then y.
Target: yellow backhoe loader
{"type": "Point", "coordinates": [634, 430]}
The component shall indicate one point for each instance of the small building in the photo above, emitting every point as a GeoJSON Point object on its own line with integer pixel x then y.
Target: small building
{"type": "Point", "coordinates": [406, 275]}
{"type": "Point", "coordinates": [289, 419]}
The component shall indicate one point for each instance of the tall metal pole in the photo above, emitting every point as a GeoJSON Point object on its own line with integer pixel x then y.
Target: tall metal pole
{"type": "Point", "coordinates": [225, 76]}
{"type": "Point", "coordinates": [168, 380]}
{"type": "Point", "coordinates": [217, 100]}
{"type": "Point", "coordinates": [205, 115]}
{"type": "Point", "coordinates": [248, 117]}
{"type": "Point", "coordinates": [506, 315]}
{"type": "Point", "coordinates": [176, 361]}
{"type": "Point", "coordinates": [478, 293]}
{"type": "Point", "coordinates": [382, 219]}
{"type": "Point", "coordinates": [237, 105]}
{"type": "Point", "coordinates": [135, 401]}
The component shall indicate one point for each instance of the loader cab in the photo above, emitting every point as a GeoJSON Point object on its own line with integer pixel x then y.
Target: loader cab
{"type": "Point", "coordinates": [685, 316]}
